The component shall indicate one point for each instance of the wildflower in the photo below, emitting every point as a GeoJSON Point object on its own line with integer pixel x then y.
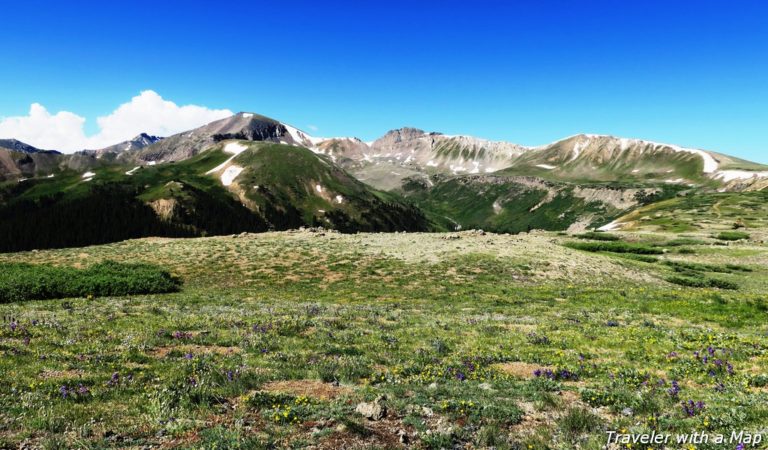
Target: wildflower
{"type": "Point", "coordinates": [691, 408]}
{"type": "Point", "coordinates": [114, 380]}
{"type": "Point", "coordinates": [262, 328]}
{"type": "Point", "coordinates": [674, 390]}
{"type": "Point", "coordinates": [14, 325]}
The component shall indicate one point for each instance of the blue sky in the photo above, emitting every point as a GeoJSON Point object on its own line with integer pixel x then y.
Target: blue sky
{"type": "Point", "coordinates": [693, 73]}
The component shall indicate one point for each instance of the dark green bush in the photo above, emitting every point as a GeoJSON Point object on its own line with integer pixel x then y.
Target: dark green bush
{"type": "Point", "coordinates": [686, 267]}
{"type": "Point", "coordinates": [598, 236]}
{"type": "Point", "coordinates": [702, 282]}
{"type": "Point", "coordinates": [680, 242]}
{"type": "Point", "coordinates": [19, 282]}
{"type": "Point", "coordinates": [615, 247]}
{"type": "Point", "coordinates": [641, 258]}
{"type": "Point", "coordinates": [732, 236]}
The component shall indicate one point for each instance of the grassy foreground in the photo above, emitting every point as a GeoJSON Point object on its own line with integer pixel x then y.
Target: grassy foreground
{"type": "Point", "coordinates": [466, 340]}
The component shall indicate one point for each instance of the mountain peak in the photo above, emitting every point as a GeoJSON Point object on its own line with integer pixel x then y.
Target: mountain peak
{"type": "Point", "coordinates": [18, 146]}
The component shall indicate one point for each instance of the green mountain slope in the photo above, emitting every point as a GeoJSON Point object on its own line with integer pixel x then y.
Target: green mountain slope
{"type": "Point", "coordinates": [701, 212]}
{"type": "Point", "coordinates": [513, 204]}
{"type": "Point", "coordinates": [114, 202]}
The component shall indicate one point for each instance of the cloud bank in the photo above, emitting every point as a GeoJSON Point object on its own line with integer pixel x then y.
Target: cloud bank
{"type": "Point", "coordinates": [147, 112]}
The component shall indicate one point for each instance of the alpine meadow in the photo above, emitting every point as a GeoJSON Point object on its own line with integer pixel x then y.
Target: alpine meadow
{"type": "Point", "coordinates": [175, 276]}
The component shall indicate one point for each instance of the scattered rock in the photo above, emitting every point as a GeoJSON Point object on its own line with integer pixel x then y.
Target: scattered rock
{"type": "Point", "coordinates": [402, 436]}
{"type": "Point", "coordinates": [374, 410]}
{"type": "Point", "coordinates": [419, 410]}
{"type": "Point", "coordinates": [442, 427]}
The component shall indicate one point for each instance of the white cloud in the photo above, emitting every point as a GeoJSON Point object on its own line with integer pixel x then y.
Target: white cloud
{"type": "Point", "coordinates": [147, 112]}
{"type": "Point", "coordinates": [313, 127]}
{"type": "Point", "coordinates": [45, 130]}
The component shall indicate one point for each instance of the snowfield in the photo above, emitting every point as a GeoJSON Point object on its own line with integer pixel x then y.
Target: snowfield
{"type": "Point", "coordinates": [229, 174]}
{"type": "Point", "coordinates": [235, 149]}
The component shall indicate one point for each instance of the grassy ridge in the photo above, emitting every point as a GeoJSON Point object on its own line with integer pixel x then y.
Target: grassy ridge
{"type": "Point", "coordinates": [19, 281]}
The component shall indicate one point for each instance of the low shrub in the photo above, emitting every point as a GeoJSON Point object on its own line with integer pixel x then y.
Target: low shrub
{"type": "Point", "coordinates": [702, 282]}
{"type": "Point", "coordinates": [732, 236]}
{"type": "Point", "coordinates": [19, 281]}
{"type": "Point", "coordinates": [598, 236]}
{"type": "Point", "coordinates": [680, 242]}
{"type": "Point", "coordinates": [641, 258]}
{"type": "Point", "coordinates": [615, 247]}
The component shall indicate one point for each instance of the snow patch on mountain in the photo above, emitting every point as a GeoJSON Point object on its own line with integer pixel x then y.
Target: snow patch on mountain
{"type": "Point", "coordinates": [730, 175]}
{"type": "Point", "coordinates": [610, 227]}
{"type": "Point", "coordinates": [235, 149]}
{"type": "Point", "coordinates": [229, 174]}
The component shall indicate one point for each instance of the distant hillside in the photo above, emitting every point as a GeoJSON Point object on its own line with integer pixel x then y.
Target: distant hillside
{"type": "Point", "coordinates": [713, 212]}
{"type": "Point", "coordinates": [252, 173]}
{"type": "Point", "coordinates": [513, 204]}
{"type": "Point", "coordinates": [214, 192]}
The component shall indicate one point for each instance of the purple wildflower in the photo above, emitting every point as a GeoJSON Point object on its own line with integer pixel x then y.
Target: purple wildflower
{"type": "Point", "coordinates": [691, 408]}
{"type": "Point", "coordinates": [674, 390]}
{"type": "Point", "coordinates": [114, 380]}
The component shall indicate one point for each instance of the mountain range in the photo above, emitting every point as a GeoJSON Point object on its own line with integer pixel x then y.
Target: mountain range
{"type": "Point", "coordinates": [253, 173]}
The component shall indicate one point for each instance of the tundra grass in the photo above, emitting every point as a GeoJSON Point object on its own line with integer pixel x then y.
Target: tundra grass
{"type": "Point", "coordinates": [274, 340]}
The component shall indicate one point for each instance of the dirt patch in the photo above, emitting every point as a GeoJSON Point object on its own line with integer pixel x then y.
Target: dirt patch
{"type": "Point", "coordinates": [519, 369]}
{"type": "Point", "coordinates": [60, 374]}
{"type": "Point", "coordinates": [533, 419]}
{"type": "Point", "coordinates": [162, 352]}
{"type": "Point", "coordinates": [570, 397]}
{"type": "Point", "coordinates": [379, 434]}
{"type": "Point", "coordinates": [308, 388]}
